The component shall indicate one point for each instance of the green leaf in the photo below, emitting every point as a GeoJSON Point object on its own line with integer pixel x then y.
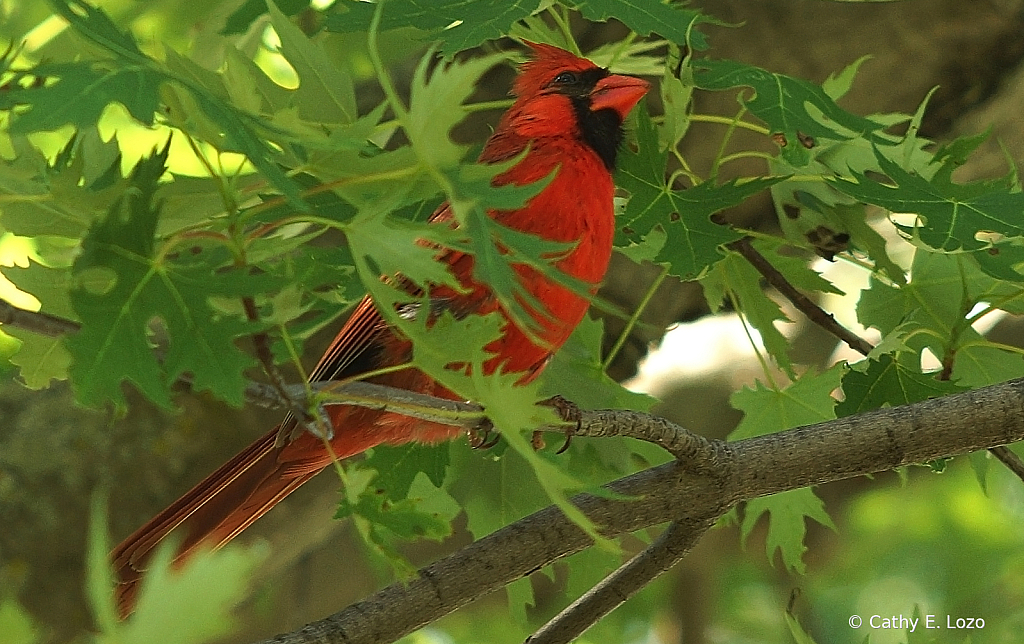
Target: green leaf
{"type": "Point", "coordinates": [979, 364]}
{"type": "Point", "coordinates": [676, 95]}
{"type": "Point", "coordinates": [496, 487]}
{"type": "Point", "coordinates": [785, 104]}
{"type": "Point", "coordinates": [953, 214]}
{"type": "Point", "coordinates": [77, 93]}
{"type": "Point", "coordinates": [794, 268]}
{"type": "Point", "coordinates": [510, 404]}
{"type": "Point", "coordinates": [799, 635]}
{"type": "Point", "coordinates": [435, 106]}
{"type": "Point", "coordinates": [1002, 260]}
{"type": "Point", "coordinates": [854, 219]}
{"type": "Point", "coordinates": [520, 598]}
{"type": "Point", "coordinates": [62, 197]}
{"type": "Point", "coordinates": [42, 359]}
{"type": "Point", "coordinates": [325, 93]}
{"type": "Point", "coordinates": [124, 283]}
{"type": "Point", "coordinates": [242, 18]}
{"type": "Point", "coordinates": [461, 24]}
{"type": "Point", "coordinates": [397, 467]}
{"type": "Point", "coordinates": [734, 279]}
{"type": "Point", "coordinates": [16, 626]}
{"type": "Point", "coordinates": [206, 588]}
{"type": "Point", "coordinates": [392, 246]}
{"type": "Point", "coordinates": [99, 584]}
{"type": "Point", "coordinates": [671, 21]}
{"type": "Point", "coordinates": [787, 528]}
{"type": "Point", "coordinates": [837, 85]}
{"type": "Point", "coordinates": [889, 383]}
{"type": "Point", "coordinates": [944, 290]}
{"type": "Point", "coordinates": [693, 240]}
{"type": "Point", "coordinates": [932, 311]}
{"type": "Point", "coordinates": [426, 513]}
{"type": "Point", "coordinates": [806, 401]}
{"type": "Point", "coordinates": [576, 373]}
{"type": "Point", "coordinates": [94, 25]}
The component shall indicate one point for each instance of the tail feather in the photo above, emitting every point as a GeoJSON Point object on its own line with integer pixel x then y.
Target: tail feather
{"type": "Point", "coordinates": [211, 513]}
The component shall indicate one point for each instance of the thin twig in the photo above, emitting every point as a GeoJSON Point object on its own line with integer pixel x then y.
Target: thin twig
{"type": "Point", "coordinates": [803, 303]}
{"type": "Point", "coordinates": [51, 326]}
{"type": "Point", "coordinates": [317, 424]}
{"type": "Point", "coordinates": [1010, 459]}
{"type": "Point", "coordinates": [612, 591]}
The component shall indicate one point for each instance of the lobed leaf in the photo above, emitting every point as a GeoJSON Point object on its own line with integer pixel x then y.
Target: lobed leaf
{"type": "Point", "coordinates": [953, 214]}
{"type": "Point", "coordinates": [785, 104]}
{"type": "Point", "coordinates": [124, 283]}
{"type": "Point", "coordinates": [459, 24]}
{"type": "Point", "coordinates": [326, 93]}
{"type": "Point", "coordinates": [888, 382]}
{"type": "Point", "coordinates": [734, 280]}
{"type": "Point", "coordinates": [692, 239]}
{"type": "Point", "coordinates": [672, 21]}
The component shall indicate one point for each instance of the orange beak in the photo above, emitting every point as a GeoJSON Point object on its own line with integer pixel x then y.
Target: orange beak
{"type": "Point", "coordinates": [619, 93]}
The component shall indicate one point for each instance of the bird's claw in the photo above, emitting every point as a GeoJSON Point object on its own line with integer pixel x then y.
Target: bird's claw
{"type": "Point", "coordinates": [480, 437]}
{"type": "Point", "coordinates": [569, 412]}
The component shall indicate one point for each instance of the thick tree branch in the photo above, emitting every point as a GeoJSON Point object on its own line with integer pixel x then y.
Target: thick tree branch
{"type": "Point", "coordinates": [811, 455]}
{"type": "Point", "coordinates": [828, 322]}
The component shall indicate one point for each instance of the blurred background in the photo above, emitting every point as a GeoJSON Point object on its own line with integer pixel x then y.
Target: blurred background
{"type": "Point", "coordinates": [938, 542]}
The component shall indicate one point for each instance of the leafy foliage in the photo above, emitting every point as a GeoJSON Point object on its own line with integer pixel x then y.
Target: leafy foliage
{"type": "Point", "coordinates": [227, 234]}
{"type": "Point", "coordinates": [205, 589]}
{"type": "Point", "coordinates": [692, 239]}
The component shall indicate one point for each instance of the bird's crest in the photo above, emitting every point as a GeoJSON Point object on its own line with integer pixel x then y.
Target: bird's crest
{"type": "Point", "coordinates": [546, 63]}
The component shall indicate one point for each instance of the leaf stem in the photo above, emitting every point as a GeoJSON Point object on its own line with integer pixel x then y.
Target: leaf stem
{"type": "Point", "coordinates": [391, 95]}
{"type": "Point", "coordinates": [730, 130]}
{"type": "Point", "coordinates": [765, 368]}
{"type": "Point", "coordinates": [631, 322]}
{"type": "Point", "coordinates": [749, 154]}
{"type": "Point", "coordinates": [732, 122]}
{"type": "Point", "coordinates": [562, 21]}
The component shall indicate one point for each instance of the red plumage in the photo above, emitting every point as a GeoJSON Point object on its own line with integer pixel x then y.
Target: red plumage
{"type": "Point", "coordinates": [569, 113]}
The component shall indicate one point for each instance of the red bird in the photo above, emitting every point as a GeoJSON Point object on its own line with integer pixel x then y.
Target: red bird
{"type": "Point", "coordinates": [568, 113]}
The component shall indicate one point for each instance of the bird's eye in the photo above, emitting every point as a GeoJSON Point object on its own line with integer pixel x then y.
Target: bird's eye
{"type": "Point", "coordinates": [565, 78]}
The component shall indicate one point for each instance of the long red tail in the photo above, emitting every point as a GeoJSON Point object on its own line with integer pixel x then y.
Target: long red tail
{"type": "Point", "coordinates": [211, 513]}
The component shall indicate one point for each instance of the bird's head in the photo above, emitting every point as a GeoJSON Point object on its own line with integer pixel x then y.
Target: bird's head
{"type": "Point", "coordinates": [561, 94]}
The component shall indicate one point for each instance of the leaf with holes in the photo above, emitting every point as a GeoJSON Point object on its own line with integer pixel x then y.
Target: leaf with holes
{"type": "Point", "coordinates": [123, 284]}
{"type": "Point", "coordinates": [796, 109]}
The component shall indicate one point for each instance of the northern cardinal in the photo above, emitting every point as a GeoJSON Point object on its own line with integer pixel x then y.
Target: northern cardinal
{"type": "Point", "coordinates": [568, 113]}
